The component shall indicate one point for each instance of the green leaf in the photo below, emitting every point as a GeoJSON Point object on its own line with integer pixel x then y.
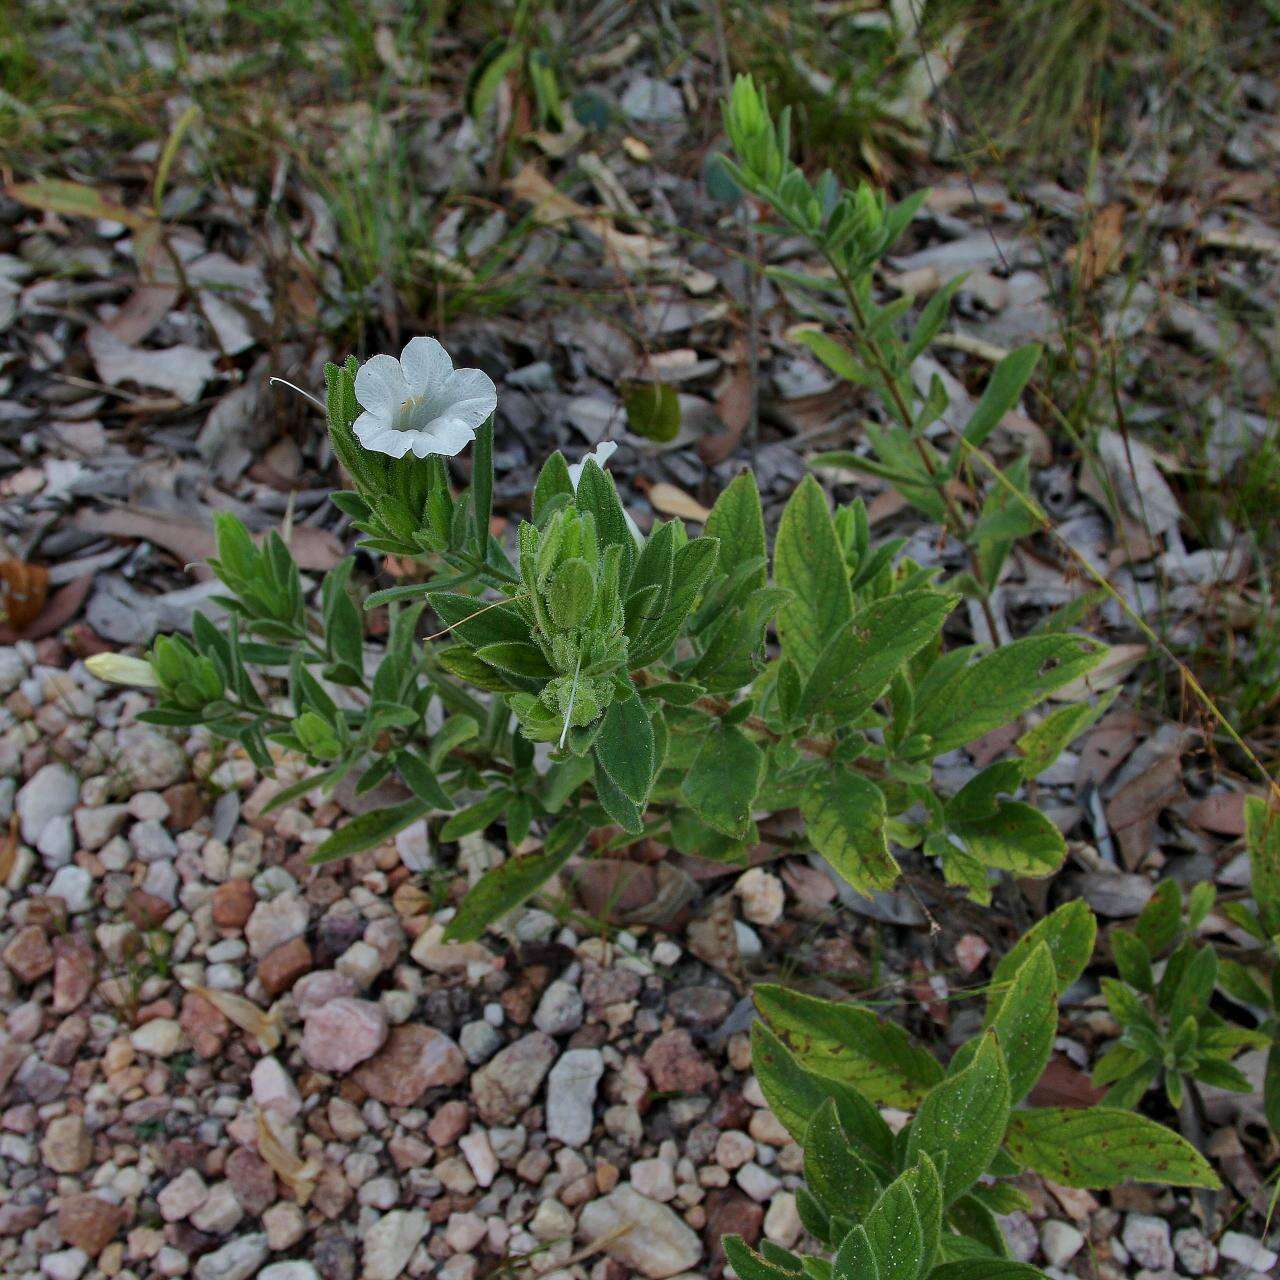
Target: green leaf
{"type": "Point", "coordinates": [722, 784]}
{"type": "Point", "coordinates": [553, 482]}
{"type": "Point", "coordinates": [1103, 1147]}
{"type": "Point", "coordinates": [1001, 394]}
{"type": "Point", "coordinates": [496, 61]}
{"type": "Point", "coordinates": [844, 816]}
{"type": "Point", "coordinates": [850, 1043]}
{"type": "Point", "coordinates": [476, 817]}
{"type": "Point", "coordinates": [1160, 921]}
{"type": "Point", "coordinates": [369, 830]}
{"type": "Point", "coordinates": [843, 1182]}
{"type": "Point", "coordinates": [1133, 960]}
{"type": "Point", "coordinates": [505, 887]}
{"type": "Point", "coordinates": [1016, 838]}
{"type": "Point", "coordinates": [808, 562]}
{"type": "Point", "coordinates": [737, 522]}
{"type": "Point", "coordinates": [855, 1258]}
{"type": "Point", "coordinates": [517, 658]}
{"type": "Point", "coordinates": [962, 1120]}
{"type": "Point", "coordinates": [482, 487]}
{"type": "Point", "coordinates": [795, 1096]}
{"type": "Point", "coordinates": [421, 780]}
{"type": "Point", "coordinates": [1042, 744]}
{"type": "Point", "coordinates": [1028, 1021]}
{"type": "Point", "coordinates": [833, 353]}
{"type": "Point", "coordinates": [856, 665]}
{"type": "Point", "coordinates": [653, 410]}
{"type": "Point", "coordinates": [1068, 932]}
{"type": "Point", "coordinates": [747, 1264]}
{"type": "Point", "coordinates": [999, 687]}
{"type": "Point", "coordinates": [1262, 839]}
{"type": "Point", "coordinates": [624, 748]}
{"type": "Point", "coordinates": [619, 806]}
{"type": "Point", "coordinates": [895, 1233]}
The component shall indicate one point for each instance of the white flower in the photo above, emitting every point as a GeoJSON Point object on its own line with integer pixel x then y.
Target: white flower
{"type": "Point", "coordinates": [421, 403]}
{"type": "Point", "coordinates": [118, 668]}
{"type": "Point", "coordinates": [601, 453]}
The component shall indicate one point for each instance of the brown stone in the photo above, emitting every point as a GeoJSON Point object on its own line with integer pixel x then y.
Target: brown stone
{"type": "Point", "coordinates": [89, 1223]}
{"type": "Point", "coordinates": [333, 1193]}
{"type": "Point", "coordinates": [146, 910]}
{"type": "Point", "coordinates": [186, 805]}
{"type": "Point", "coordinates": [449, 1123]}
{"type": "Point", "coordinates": [252, 1180]}
{"type": "Point", "coordinates": [414, 1059]}
{"type": "Point", "coordinates": [233, 904]}
{"type": "Point", "coordinates": [279, 969]}
{"type": "Point", "coordinates": [206, 1027]}
{"type": "Point", "coordinates": [29, 954]}
{"type": "Point", "coordinates": [675, 1065]}
{"type": "Point", "coordinates": [73, 971]}
{"type": "Point", "coordinates": [730, 1212]}
{"type": "Point", "coordinates": [66, 1146]}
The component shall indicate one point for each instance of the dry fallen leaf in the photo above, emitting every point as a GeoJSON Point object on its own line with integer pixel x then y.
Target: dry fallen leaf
{"type": "Point", "coordinates": [264, 1027]}
{"type": "Point", "coordinates": [192, 542]}
{"type": "Point", "coordinates": [23, 590]}
{"type": "Point", "coordinates": [671, 501]}
{"type": "Point", "coordinates": [182, 369]}
{"type": "Point", "coordinates": [8, 849]}
{"type": "Point", "coordinates": [1098, 252]}
{"type": "Point", "coordinates": [300, 1176]}
{"type": "Point", "coordinates": [58, 610]}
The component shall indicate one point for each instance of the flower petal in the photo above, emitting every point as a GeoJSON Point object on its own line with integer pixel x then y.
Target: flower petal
{"type": "Point", "coordinates": [380, 385]}
{"type": "Point", "coordinates": [447, 437]}
{"type": "Point", "coordinates": [379, 438]}
{"type": "Point", "coordinates": [603, 452]}
{"type": "Point", "coordinates": [426, 364]}
{"type": "Point", "coordinates": [469, 395]}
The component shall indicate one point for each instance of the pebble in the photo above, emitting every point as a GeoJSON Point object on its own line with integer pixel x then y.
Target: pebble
{"type": "Point", "coordinates": [560, 1010]}
{"type": "Point", "coordinates": [74, 885]}
{"type": "Point", "coordinates": [29, 954]}
{"type": "Point", "coordinates": [1247, 1251]}
{"type": "Point", "coordinates": [508, 1083]}
{"type": "Point", "coordinates": [67, 1146]}
{"type": "Point", "coordinates": [88, 1222]}
{"type": "Point", "coordinates": [294, 1269]}
{"type": "Point", "coordinates": [1147, 1240]}
{"type": "Point", "coordinates": [161, 1038]}
{"type": "Point", "coordinates": [762, 895]}
{"type": "Point", "coordinates": [150, 760]}
{"type": "Point", "coordinates": [1197, 1254]}
{"type": "Point", "coordinates": [571, 1095]}
{"type": "Point", "coordinates": [273, 1090]}
{"type": "Point", "coordinates": [390, 1242]}
{"type": "Point", "coordinates": [1060, 1242]}
{"type": "Point", "coordinates": [654, 1178]}
{"type": "Point", "coordinates": [343, 1033]}
{"type": "Point", "coordinates": [656, 1243]}
{"type": "Point", "coordinates": [50, 793]}
{"type": "Point", "coordinates": [237, 1260]}
{"type": "Point", "coordinates": [275, 922]}
{"type": "Point", "coordinates": [416, 1058]}
{"type": "Point", "coordinates": [66, 1264]}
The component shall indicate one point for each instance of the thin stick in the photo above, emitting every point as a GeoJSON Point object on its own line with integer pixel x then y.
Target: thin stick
{"type": "Point", "coordinates": [478, 612]}
{"type": "Point", "coordinates": [284, 382]}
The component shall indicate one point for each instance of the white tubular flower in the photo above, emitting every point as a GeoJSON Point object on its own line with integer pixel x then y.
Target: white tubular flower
{"type": "Point", "coordinates": [601, 453]}
{"type": "Point", "coordinates": [421, 403]}
{"type": "Point", "coordinates": [118, 668]}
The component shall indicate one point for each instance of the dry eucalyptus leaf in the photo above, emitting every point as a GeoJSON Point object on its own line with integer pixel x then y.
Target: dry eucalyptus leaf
{"type": "Point", "coordinates": [1139, 483]}
{"type": "Point", "coordinates": [671, 501]}
{"type": "Point", "coordinates": [23, 590]}
{"type": "Point", "coordinates": [264, 1027]}
{"type": "Point", "coordinates": [181, 369]}
{"type": "Point", "coordinates": [300, 1176]}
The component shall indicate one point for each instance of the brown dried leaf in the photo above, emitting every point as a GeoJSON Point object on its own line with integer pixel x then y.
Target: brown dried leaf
{"type": "Point", "coordinates": [264, 1027]}
{"type": "Point", "coordinates": [1098, 252]}
{"type": "Point", "coordinates": [672, 501]}
{"type": "Point", "coordinates": [59, 609]}
{"type": "Point", "coordinates": [714, 940]}
{"type": "Point", "coordinates": [23, 590]}
{"type": "Point", "coordinates": [300, 1176]}
{"type": "Point", "coordinates": [192, 542]}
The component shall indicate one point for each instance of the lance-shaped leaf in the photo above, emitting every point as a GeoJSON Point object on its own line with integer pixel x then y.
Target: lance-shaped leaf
{"type": "Point", "coordinates": [844, 815]}
{"type": "Point", "coordinates": [1103, 1147]}
{"type": "Point", "coordinates": [1069, 934]}
{"type": "Point", "coordinates": [856, 665]}
{"type": "Point", "coordinates": [852, 1044]}
{"type": "Point", "coordinates": [964, 704]}
{"type": "Point", "coordinates": [962, 1120]}
{"type": "Point", "coordinates": [795, 1096]}
{"type": "Point", "coordinates": [808, 562]}
{"type": "Point", "coordinates": [369, 830]}
{"type": "Point", "coordinates": [505, 887]}
{"type": "Point", "coordinates": [895, 1232]}
{"type": "Point", "coordinates": [737, 522]}
{"type": "Point", "coordinates": [625, 748]}
{"type": "Point", "coordinates": [1262, 839]}
{"type": "Point", "coordinates": [722, 784]}
{"type": "Point", "coordinates": [841, 1180]}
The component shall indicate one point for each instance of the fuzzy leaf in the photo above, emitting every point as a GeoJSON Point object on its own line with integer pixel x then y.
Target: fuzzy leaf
{"type": "Point", "coordinates": [1068, 932]}
{"type": "Point", "coordinates": [722, 784]}
{"type": "Point", "coordinates": [1103, 1147]}
{"type": "Point", "coordinates": [369, 830]}
{"type": "Point", "coordinates": [738, 522]}
{"type": "Point", "coordinates": [852, 1044]}
{"type": "Point", "coordinates": [856, 665]}
{"type": "Point", "coordinates": [807, 561]}
{"type": "Point", "coordinates": [844, 816]}
{"type": "Point", "coordinates": [1016, 838]}
{"type": "Point", "coordinates": [999, 687]}
{"type": "Point", "coordinates": [961, 1122]}
{"type": "Point", "coordinates": [624, 748]}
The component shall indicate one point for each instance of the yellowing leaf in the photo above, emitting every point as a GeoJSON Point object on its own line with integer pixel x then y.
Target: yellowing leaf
{"type": "Point", "coordinates": [300, 1176]}
{"type": "Point", "coordinates": [264, 1027]}
{"type": "Point", "coordinates": [75, 200]}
